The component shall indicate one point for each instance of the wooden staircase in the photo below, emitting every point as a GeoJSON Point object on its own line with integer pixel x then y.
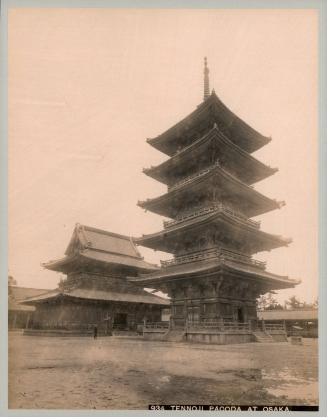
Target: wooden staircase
{"type": "Point", "coordinates": [262, 337]}
{"type": "Point", "coordinates": [175, 335]}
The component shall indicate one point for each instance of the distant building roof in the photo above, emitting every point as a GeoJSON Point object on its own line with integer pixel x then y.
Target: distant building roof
{"type": "Point", "coordinates": [89, 244]}
{"type": "Point", "coordinates": [301, 314]}
{"type": "Point", "coordinates": [18, 294]}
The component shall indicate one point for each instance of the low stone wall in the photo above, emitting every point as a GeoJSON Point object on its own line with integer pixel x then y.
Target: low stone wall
{"type": "Point", "coordinates": [203, 336]}
{"type": "Point", "coordinates": [154, 334]}
{"type": "Point", "coordinates": [58, 333]}
{"type": "Point", "coordinates": [279, 337]}
{"type": "Point", "coordinates": [219, 338]}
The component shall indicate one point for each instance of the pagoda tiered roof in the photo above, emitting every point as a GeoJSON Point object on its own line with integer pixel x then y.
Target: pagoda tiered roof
{"type": "Point", "coordinates": [200, 153]}
{"type": "Point", "coordinates": [99, 248]}
{"type": "Point", "coordinates": [211, 266]}
{"type": "Point", "coordinates": [213, 183]}
{"type": "Point", "coordinates": [211, 200]}
{"type": "Point", "coordinates": [196, 124]}
{"type": "Point", "coordinates": [227, 227]}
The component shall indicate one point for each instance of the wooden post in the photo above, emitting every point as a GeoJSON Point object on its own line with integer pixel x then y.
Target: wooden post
{"type": "Point", "coordinates": [263, 326]}
{"type": "Point", "coordinates": [222, 324]}
{"type": "Point", "coordinates": [27, 321]}
{"type": "Point", "coordinates": [14, 321]}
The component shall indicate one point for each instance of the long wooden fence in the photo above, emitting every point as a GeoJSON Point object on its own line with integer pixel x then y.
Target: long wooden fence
{"type": "Point", "coordinates": [225, 326]}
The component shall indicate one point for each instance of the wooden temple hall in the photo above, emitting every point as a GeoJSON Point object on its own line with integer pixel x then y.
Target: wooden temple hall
{"type": "Point", "coordinates": [213, 280]}
{"type": "Point", "coordinates": [95, 292]}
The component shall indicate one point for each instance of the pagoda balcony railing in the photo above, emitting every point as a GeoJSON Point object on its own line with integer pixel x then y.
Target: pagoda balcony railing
{"type": "Point", "coordinates": [220, 253]}
{"type": "Point", "coordinates": [192, 177]}
{"type": "Point", "coordinates": [219, 207]}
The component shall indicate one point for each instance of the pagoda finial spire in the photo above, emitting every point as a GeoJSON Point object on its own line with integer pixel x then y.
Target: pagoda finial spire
{"type": "Point", "coordinates": [206, 80]}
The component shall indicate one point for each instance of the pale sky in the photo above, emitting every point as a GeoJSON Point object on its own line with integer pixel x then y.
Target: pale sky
{"type": "Point", "coordinates": [88, 86]}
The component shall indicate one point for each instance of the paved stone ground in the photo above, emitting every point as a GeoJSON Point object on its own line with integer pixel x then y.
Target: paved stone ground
{"type": "Point", "coordinates": [124, 373]}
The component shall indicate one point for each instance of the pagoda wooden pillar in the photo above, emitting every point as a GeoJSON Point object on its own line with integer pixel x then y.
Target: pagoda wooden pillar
{"type": "Point", "coordinates": [218, 285]}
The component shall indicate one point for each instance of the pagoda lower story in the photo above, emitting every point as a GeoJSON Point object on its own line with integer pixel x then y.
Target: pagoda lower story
{"type": "Point", "coordinates": [213, 295]}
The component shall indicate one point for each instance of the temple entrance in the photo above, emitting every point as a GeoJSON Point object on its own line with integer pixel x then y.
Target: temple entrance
{"type": "Point", "coordinates": [120, 321]}
{"type": "Point", "coordinates": [240, 315]}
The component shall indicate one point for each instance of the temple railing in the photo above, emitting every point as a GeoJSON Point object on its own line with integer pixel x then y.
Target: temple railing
{"type": "Point", "coordinates": [218, 207]}
{"type": "Point", "coordinates": [222, 254]}
{"type": "Point", "coordinates": [215, 325]}
{"type": "Point", "coordinates": [274, 328]}
{"type": "Point", "coordinates": [63, 325]}
{"type": "Point", "coordinates": [190, 178]}
{"type": "Point", "coordinates": [157, 325]}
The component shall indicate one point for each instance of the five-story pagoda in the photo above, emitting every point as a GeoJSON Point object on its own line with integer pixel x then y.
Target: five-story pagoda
{"type": "Point", "coordinates": [210, 201]}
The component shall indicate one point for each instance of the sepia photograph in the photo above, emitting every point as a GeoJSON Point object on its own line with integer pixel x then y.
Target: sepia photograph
{"type": "Point", "coordinates": [163, 209]}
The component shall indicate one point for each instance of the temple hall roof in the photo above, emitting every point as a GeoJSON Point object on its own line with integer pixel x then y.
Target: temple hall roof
{"type": "Point", "coordinates": [211, 111]}
{"type": "Point", "coordinates": [91, 245]}
{"type": "Point", "coordinates": [300, 314]}
{"type": "Point", "coordinates": [98, 295]}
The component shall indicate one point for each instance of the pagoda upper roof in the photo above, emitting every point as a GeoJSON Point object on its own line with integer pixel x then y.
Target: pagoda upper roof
{"type": "Point", "coordinates": [227, 226]}
{"type": "Point", "coordinates": [214, 144]}
{"type": "Point", "coordinates": [214, 179]}
{"type": "Point", "coordinates": [209, 267]}
{"type": "Point", "coordinates": [211, 111]}
{"type": "Point", "coordinates": [136, 295]}
{"type": "Point", "coordinates": [89, 245]}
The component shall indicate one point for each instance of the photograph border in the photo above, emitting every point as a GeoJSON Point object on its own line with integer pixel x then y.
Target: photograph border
{"type": "Point", "coordinates": [321, 6]}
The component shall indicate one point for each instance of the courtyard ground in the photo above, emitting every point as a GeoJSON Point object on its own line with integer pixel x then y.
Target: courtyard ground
{"type": "Point", "coordinates": [126, 373]}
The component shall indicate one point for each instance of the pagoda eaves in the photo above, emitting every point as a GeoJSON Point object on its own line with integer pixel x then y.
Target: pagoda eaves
{"type": "Point", "coordinates": [192, 127]}
{"type": "Point", "coordinates": [211, 147]}
{"type": "Point", "coordinates": [221, 227]}
{"type": "Point", "coordinates": [211, 268]}
{"type": "Point", "coordinates": [209, 186]}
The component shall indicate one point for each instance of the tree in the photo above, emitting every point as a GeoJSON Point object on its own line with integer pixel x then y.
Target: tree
{"type": "Point", "coordinates": [61, 285]}
{"type": "Point", "coordinates": [275, 307]}
{"type": "Point", "coordinates": [268, 302]}
{"type": "Point", "coordinates": [294, 303]}
{"type": "Point", "coordinates": [11, 282]}
{"type": "Point", "coordinates": [262, 302]}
